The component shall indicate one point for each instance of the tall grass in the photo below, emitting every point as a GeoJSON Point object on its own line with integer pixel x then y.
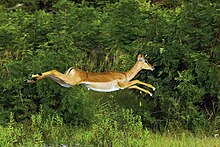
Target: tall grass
{"type": "Point", "coordinates": [127, 131]}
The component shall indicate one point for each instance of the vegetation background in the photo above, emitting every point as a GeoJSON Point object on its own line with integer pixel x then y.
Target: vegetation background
{"type": "Point", "coordinates": [181, 38]}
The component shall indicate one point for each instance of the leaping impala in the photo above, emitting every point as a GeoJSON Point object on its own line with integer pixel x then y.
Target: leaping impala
{"type": "Point", "coordinates": [102, 82]}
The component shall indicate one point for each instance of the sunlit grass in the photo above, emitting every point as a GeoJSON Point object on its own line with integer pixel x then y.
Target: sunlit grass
{"type": "Point", "coordinates": [105, 132]}
{"type": "Point", "coordinates": [182, 140]}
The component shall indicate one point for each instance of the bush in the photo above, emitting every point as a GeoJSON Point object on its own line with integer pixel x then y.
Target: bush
{"type": "Point", "coordinates": [182, 43]}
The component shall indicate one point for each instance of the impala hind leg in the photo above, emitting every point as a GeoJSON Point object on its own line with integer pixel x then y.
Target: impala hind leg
{"type": "Point", "coordinates": [48, 74]}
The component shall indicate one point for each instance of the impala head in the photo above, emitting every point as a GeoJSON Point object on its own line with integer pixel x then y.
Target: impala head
{"type": "Point", "coordinates": [141, 59]}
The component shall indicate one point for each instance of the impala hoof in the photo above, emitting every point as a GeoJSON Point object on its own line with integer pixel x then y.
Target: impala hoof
{"type": "Point", "coordinates": [151, 94]}
{"type": "Point", "coordinates": [27, 81]}
{"type": "Point", "coordinates": [30, 75]}
{"type": "Point", "coordinates": [154, 89]}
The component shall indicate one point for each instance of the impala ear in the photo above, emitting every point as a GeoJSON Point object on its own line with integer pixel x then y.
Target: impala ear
{"type": "Point", "coordinates": [145, 56]}
{"type": "Point", "coordinates": [139, 57]}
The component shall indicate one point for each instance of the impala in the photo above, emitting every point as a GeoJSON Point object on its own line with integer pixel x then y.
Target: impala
{"type": "Point", "coordinates": [103, 81]}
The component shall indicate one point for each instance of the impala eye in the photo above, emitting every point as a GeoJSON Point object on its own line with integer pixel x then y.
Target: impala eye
{"type": "Point", "coordinates": [146, 61]}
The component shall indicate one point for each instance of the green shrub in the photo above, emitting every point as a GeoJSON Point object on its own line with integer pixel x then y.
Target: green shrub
{"type": "Point", "coordinates": [182, 42]}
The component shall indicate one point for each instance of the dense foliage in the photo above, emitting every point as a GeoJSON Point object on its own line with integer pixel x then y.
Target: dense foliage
{"type": "Point", "coordinates": [182, 42]}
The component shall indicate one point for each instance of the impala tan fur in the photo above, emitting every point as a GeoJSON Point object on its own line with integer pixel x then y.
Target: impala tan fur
{"type": "Point", "coordinates": [103, 81]}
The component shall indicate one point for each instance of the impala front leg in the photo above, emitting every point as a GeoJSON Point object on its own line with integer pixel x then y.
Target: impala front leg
{"type": "Point", "coordinates": [128, 84]}
{"type": "Point", "coordinates": [141, 89]}
{"type": "Point", "coordinates": [131, 84]}
{"type": "Point", "coordinates": [146, 84]}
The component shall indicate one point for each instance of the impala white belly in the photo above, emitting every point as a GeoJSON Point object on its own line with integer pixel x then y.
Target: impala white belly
{"type": "Point", "coordinates": [102, 86]}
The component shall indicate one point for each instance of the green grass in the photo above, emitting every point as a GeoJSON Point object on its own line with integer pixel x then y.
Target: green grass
{"type": "Point", "coordinates": [104, 132]}
{"type": "Point", "coordinates": [182, 140]}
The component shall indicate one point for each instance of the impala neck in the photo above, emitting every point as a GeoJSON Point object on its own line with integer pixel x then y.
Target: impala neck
{"type": "Point", "coordinates": [133, 71]}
